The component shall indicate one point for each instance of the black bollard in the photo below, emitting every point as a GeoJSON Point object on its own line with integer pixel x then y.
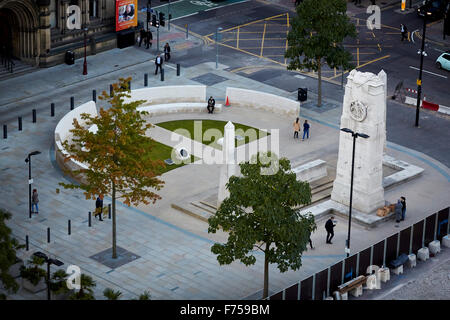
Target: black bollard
{"type": "Point", "coordinates": [19, 119]}
{"type": "Point", "coordinates": [34, 115]}
{"type": "Point", "coordinates": [26, 243]}
{"type": "Point", "coordinates": [69, 228]}
{"type": "Point", "coordinates": [129, 85]}
{"type": "Point", "coordinates": [48, 235]}
{"type": "Point", "coordinates": [52, 109]}
{"type": "Point", "coordinates": [94, 95]}
{"type": "Point", "coordinates": [5, 132]}
{"type": "Point", "coordinates": [145, 79]}
{"type": "Point", "coordinates": [162, 74]}
{"type": "Point", "coordinates": [89, 218]}
{"type": "Point", "coordinates": [110, 90]}
{"type": "Point", "coordinates": [72, 103]}
{"type": "Point", "coordinates": [109, 211]}
{"type": "Point", "coordinates": [178, 69]}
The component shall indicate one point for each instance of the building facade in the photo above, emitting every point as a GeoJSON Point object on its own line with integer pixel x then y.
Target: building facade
{"type": "Point", "coordinates": [37, 32]}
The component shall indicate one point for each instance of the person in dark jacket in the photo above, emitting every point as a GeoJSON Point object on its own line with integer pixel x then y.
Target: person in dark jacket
{"type": "Point", "coordinates": [398, 211]}
{"type": "Point", "coordinates": [158, 63]}
{"type": "Point", "coordinates": [306, 130]}
{"type": "Point", "coordinates": [142, 35]}
{"type": "Point", "coordinates": [403, 199]}
{"type": "Point", "coordinates": [404, 31]}
{"type": "Point", "coordinates": [167, 52]}
{"type": "Point", "coordinates": [211, 104]}
{"type": "Point", "coordinates": [329, 226]}
{"type": "Point", "coordinates": [34, 202]}
{"type": "Point", "coordinates": [149, 38]}
{"type": "Point", "coordinates": [99, 207]}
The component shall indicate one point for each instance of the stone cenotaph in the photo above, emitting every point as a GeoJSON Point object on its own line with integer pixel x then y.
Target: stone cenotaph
{"type": "Point", "coordinates": [228, 161]}
{"type": "Point", "coordinates": [364, 111]}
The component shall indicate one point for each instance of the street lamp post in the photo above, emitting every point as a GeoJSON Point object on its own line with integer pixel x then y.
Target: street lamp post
{"type": "Point", "coordinates": [354, 135]}
{"type": "Point", "coordinates": [217, 46]}
{"type": "Point", "coordinates": [28, 160]}
{"type": "Point", "coordinates": [85, 72]}
{"type": "Point", "coordinates": [49, 261]}
{"type": "Point", "coordinates": [422, 54]}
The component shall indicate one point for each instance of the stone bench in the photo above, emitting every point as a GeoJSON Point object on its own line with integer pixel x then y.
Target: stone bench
{"type": "Point", "coordinates": [188, 107]}
{"type": "Point", "coordinates": [423, 254]}
{"type": "Point", "coordinates": [311, 171]}
{"type": "Point", "coordinates": [354, 286]}
{"type": "Point", "coordinates": [434, 247]}
{"type": "Point", "coordinates": [446, 241]}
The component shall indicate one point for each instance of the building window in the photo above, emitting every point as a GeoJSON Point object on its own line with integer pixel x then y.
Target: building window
{"type": "Point", "coordinates": [93, 8]}
{"type": "Point", "coordinates": [53, 14]}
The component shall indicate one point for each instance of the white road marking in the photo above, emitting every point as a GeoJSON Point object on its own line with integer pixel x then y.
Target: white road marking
{"type": "Point", "coordinates": [435, 74]}
{"type": "Point", "coordinates": [412, 35]}
{"type": "Point", "coordinates": [225, 5]}
{"type": "Point", "coordinates": [165, 5]}
{"type": "Point", "coordinates": [299, 76]}
{"type": "Point", "coordinates": [439, 50]}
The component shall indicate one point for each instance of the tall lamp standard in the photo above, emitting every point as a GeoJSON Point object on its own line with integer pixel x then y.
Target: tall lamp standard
{"type": "Point", "coordinates": [422, 54]}
{"type": "Point", "coordinates": [49, 261]}
{"type": "Point", "coordinates": [28, 160]}
{"type": "Point", "coordinates": [217, 46]}
{"type": "Point", "coordinates": [85, 62]}
{"type": "Point", "coordinates": [354, 135]}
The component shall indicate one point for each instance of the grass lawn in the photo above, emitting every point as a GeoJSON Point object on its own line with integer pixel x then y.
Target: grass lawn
{"type": "Point", "coordinates": [251, 135]}
{"type": "Point", "coordinates": [162, 152]}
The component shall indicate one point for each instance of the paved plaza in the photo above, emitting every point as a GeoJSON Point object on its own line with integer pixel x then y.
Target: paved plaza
{"type": "Point", "coordinates": [172, 252]}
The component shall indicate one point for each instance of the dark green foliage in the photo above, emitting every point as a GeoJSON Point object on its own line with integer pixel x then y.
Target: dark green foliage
{"type": "Point", "coordinates": [33, 272]}
{"type": "Point", "coordinates": [86, 291]}
{"type": "Point", "coordinates": [260, 213]}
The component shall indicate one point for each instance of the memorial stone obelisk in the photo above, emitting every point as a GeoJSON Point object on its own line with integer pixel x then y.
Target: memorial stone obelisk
{"type": "Point", "coordinates": [228, 161]}
{"type": "Point", "coordinates": [364, 111]}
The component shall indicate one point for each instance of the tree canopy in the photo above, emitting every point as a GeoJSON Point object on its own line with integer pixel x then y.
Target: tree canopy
{"type": "Point", "coordinates": [261, 214]}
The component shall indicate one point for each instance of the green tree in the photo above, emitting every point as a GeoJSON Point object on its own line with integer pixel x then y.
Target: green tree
{"type": "Point", "coordinates": [86, 291]}
{"type": "Point", "coordinates": [8, 250]}
{"type": "Point", "coordinates": [261, 213]}
{"type": "Point", "coordinates": [110, 294]}
{"type": "Point", "coordinates": [118, 154]}
{"type": "Point", "coordinates": [316, 36]}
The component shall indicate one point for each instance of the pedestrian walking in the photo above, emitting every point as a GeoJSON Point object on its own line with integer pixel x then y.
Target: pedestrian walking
{"type": "Point", "coordinates": [166, 52]}
{"type": "Point", "coordinates": [306, 127]}
{"type": "Point", "coordinates": [142, 36]}
{"type": "Point", "coordinates": [310, 243]}
{"type": "Point", "coordinates": [149, 38]}
{"type": "Point", "coordinates": [34, 202]}
{"type": "Point", "coordinates": [99, 207]}
{"type": "Point", "coordinates": [404, 31]}
{"type": "Point", "coordinates": [296, 128]}
{"type": "Point", "coordinates": [211, 104]}
{"type": "Point", "coordinates": [329, 226]}
{"type": "Point", "coordinates": [158, 63]}
{"type": "Point", "coordinates": [398, 212]}
{"type": "Point", "coordinates": [403, 199]}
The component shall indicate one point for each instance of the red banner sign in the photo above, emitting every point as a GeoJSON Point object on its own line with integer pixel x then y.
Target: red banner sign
{"type": "Point", "coordinates": [126, 14]}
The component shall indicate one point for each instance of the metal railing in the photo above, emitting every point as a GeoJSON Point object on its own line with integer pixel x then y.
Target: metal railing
{"type": "Point", "coordinates": [7, 61]}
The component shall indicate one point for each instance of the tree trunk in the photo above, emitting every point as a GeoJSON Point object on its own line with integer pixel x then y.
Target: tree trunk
{"type": "Point", "coordinates": [319, 73]}
{"type": "Point", "coordinates": [114, 249]}
{"type": "Point", "coordinates": [266, 275]}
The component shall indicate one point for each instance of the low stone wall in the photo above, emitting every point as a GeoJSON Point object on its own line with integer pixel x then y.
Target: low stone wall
{"type": "Point", "coordinates": [62, 132]}
{"type": "Point", "coordinates": [169, 94]}
{"type": "Point", "coordinates": [262, 100]}
{"type": "Point", "coordinates": [160, 109]}
{"type": "Point", "coordinates": [311, 171]}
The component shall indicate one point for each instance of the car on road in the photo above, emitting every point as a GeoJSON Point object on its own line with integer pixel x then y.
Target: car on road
{"type": "Point", "coordinates": [435, 9]}
{"type": "Point", "coordinates": [443, 61]}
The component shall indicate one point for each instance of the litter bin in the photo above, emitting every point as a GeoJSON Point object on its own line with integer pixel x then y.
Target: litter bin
{"type": "Point", "coordinates": [70, 57]}
{"type": "Point", "coordinates": [302, 94]}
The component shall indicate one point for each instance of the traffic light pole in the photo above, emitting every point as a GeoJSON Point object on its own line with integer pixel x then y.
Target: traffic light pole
{"type": "Point", "coordinates": [168, 16]}
{"type": "Point", "coordinates": [419, 81]}
{"type": "Point", "coordinates": [157, 39]}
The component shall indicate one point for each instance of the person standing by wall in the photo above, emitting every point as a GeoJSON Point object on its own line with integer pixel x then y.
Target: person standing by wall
{"type": "Point", "coordinates": [296, 128]}
{"type": "Point", "coordinates": [149, 37]}
{"type": "Point", "coordinates": [99, 207]}
{"type": "Point", "coordinates": [34, 202]}
{"type": "Point", "coordinates": [403, 200]}
{"type": "Point", "coordinates": [306, 127]}
{"type": "Point", "coordinates": [329, 226]}
{"type": "Point", "coordinates": [398, 212]}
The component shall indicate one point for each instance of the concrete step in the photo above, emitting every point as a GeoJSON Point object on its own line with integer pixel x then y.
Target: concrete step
{"type": "Point", "coordinates": [193, 211]}
{"type": "Point", "coordinates": [322, 187]}
{"type": "Point", "coordinates": [19, 69]}
{"type": "Point", "coordinates": [201, 206]}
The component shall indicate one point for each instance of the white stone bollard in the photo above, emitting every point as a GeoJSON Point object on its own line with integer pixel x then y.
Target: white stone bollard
{"type": "Point", "coordinates": [434, 247]}
{"type": "Point", "coordinates": [357, 291]}
{"type": "Point", "coordinates": [329, 298]}
{"type": "Point", "coordinates": [385, 275]}
{"type": "Point", "coordinates": [423, 254]}
{"type": "Point", "coordinates": [344, 296]}
{"type": "Point", "coordinates": [412, 260]}
{"type": "Point", "coordinates": [337, 295]}
{"type": "Point", "coordinates": [398, 270]}
{"type": "Point", "coordinates": [446, 241]}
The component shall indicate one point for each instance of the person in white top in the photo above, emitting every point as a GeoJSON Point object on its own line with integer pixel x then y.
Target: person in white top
{"type": "Point", "coordinates": [158, 63]}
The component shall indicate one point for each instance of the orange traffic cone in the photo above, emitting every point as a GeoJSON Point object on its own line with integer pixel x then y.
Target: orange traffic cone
{"type": "Point", "coordinates": [227, 103]}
